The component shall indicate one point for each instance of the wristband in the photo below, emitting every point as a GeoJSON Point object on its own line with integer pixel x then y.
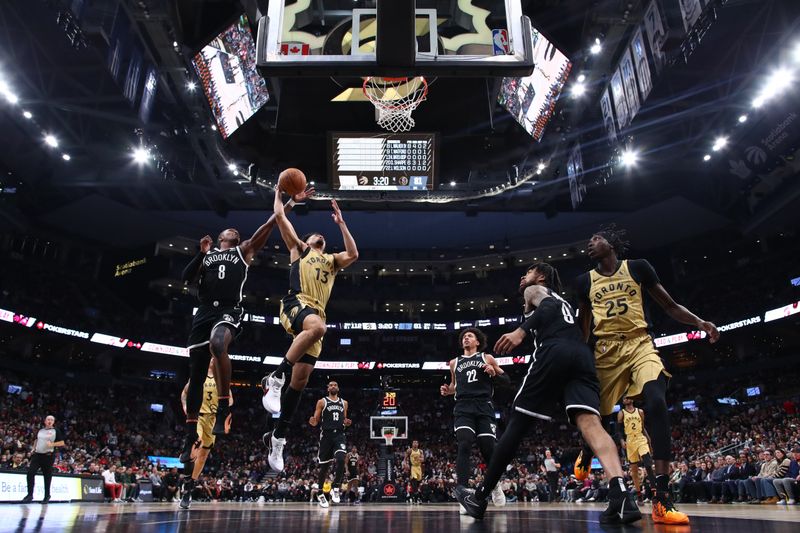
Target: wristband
{"type": "Point", "coordinates": [291, 203]}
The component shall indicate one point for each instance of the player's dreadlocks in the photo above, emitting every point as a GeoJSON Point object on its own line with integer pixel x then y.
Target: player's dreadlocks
{"type": "Point", "coordinates": [615, 237]}
{"type": "Point", "coordinates": [551, 278]}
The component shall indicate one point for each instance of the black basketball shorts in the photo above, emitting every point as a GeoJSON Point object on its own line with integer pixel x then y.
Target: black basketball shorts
{"type": "Point", "coordinates": [209, 317]}
{"type": "Point", "coordinates": [475, 415]}
{"type": "Point", "coordinates": [330, 443]}
{"type": "Point", "coordinates": [560, 373]}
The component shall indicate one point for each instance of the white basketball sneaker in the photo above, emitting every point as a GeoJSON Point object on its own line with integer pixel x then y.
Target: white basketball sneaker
{"type": "Point", "coordinates": [461, 509]}
{"type": "Point", "coordinates": [272, 386]}
{"type": "Point", "coordinates": [276, 453]}
{"type": "Point", "coordinates": [335, 497]}
{"type": "Point", "coordinates": [498, 498]}
{"type": "Point", "coordinates": [323, 501]}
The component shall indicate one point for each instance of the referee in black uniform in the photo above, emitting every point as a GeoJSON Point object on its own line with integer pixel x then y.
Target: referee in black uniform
{"type": "Point", "coordinates": [47, 440]}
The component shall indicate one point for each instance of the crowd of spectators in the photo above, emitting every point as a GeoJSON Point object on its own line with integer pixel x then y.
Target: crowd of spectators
{"type": "Point", "coordinates": [113, 433]}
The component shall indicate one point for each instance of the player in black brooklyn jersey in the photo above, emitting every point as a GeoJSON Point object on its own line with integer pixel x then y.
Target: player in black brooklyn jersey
{"type": "Point", "coordinates": [220, 274]}
{"type": "Point", "coordinates": [471, 375]}
{"type": "Point", "coordinates": [331, 411]}
{"type": "Point", "coordinates": [351, 462]}
{"type": "Point", "coordinates": [561, 370]}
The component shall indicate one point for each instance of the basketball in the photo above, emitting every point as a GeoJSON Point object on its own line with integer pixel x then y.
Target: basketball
{"type": "Point", "coordinates": [292, 181]}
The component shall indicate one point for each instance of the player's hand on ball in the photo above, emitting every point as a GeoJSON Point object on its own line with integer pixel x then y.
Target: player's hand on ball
{"type": "Point", "coordinates": [312, 421]}
{"type": "Point", "coordinates": [308, 193]}
{"type": "Point", "coordinates": [205, 243]}
{"type": "Point", "coordinates": [347, 422]}
{"type": "Point", "coordinates": [509, 341]}
{"type": "Point", "coordinates": [710, 329]}
{"type": "Point", "coordinates": [337, 213]}
{"type": "Point", "coordinates": [489, 369]}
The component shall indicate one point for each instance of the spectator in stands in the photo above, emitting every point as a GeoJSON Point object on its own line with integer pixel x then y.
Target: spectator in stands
{"type": "Point", "coordinates": [786, 474]}
{"type": "Point", "coordinates": [747, 469]}
{"type": "Point", "coordinates": [171, 484]}
{"type": "Point", "coordinates": [155, 481]}
{"type": "Point", "coordinates": [729, 474]}
{"type": "Point", "coordinates": [110, 479]}
{"type": "Point", "coordinates": [760, 487]}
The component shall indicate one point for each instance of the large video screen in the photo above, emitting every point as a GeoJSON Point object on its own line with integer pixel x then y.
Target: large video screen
{"type": "Point", "coordinates": [531, 100]}
{"type": "Point", "coordinates": [227, 70]}
{"type": "Point", "coordinates": [382, 161]}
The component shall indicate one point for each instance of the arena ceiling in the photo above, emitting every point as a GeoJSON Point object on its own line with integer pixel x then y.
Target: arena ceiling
{"type": "Point", "coordinates": [99, 194]}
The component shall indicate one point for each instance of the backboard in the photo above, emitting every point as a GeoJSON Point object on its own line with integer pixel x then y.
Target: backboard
{"type": "Point", "coordinates": [377, 423]}
{"type": "Point", "coordinates": [457, 38]}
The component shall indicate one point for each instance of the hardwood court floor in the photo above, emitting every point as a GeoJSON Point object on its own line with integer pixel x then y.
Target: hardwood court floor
{"type": "Point", "coordinates": [375, 518]}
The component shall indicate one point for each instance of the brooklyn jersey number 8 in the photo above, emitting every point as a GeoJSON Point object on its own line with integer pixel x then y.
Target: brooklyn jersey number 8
{"type": "Point", "coordinates": [567, 312]}
{"type": "Point", "coordinates": [221, 272]}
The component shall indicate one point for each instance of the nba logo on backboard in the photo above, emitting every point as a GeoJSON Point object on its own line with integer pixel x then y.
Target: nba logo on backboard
{"type": "Point", "coordinates": [295, 49]}
{"type": "Point", "coordinates": [500, 42]}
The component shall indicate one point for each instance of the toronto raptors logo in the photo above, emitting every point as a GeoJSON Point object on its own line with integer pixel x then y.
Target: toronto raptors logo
{"type": "Point", "coordinates": [389, 490]}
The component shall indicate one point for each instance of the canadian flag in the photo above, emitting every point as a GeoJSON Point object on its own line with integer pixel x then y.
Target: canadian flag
{"type": "Point", "coordinates": [295, 49]}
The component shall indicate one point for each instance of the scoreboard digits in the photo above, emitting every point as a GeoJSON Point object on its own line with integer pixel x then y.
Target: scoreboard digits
{"type": "Point", "coordinates": [383, 162]}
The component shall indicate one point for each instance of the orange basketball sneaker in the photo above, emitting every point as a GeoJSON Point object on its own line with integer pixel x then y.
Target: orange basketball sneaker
{"type": "Point", "coordinates": [583, 464]}
{"type": "Point", "coordinates": [664, 512]}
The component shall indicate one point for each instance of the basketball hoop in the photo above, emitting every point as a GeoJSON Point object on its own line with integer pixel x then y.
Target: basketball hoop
{"type": "Point", "coordinates": [389, 433]}
{"type": "Point", "coordinates": [395, 99]}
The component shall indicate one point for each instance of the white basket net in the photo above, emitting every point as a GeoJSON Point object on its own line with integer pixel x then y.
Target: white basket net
{"type": "Point", "coordinates": [395, 99]}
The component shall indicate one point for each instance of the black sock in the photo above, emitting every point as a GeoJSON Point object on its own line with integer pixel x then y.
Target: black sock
{"type": "Point", "coordinates": [662, 483]}
{"type": "Point", "coordinates": [188, 468]}
{"type": "Point", "coordinates": [283, 368]}
{"type": "Point", "coordinates": [191, 428]}
{"type": "Point", "coordinates": [289, 403]}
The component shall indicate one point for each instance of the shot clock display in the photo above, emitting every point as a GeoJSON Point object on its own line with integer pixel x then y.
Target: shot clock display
{"type": "Point", "coordinates": [383, 161]}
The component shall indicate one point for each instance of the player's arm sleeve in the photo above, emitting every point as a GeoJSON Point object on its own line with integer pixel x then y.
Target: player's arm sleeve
{"type": "Point", "coordinates": [582, 285]}
{"type": "Point", "coordinates": [643, 272]}
{"type": "Point", "coordinates": [192, 270]}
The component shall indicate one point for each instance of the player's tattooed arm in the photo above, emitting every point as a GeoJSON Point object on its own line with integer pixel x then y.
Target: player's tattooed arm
{"type": "Point", "coordinates": [533, 297]}
{"type": "Point", "coordinates": [314, 420]}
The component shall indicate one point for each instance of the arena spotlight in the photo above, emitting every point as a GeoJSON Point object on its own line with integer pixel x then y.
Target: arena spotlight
{"type": "Point", "coordinates": [578, 89]}
{"type": "Point", "coordinates": [66, 157]}
{"type": "Point", "coordinates": [742, 118]}
{"type": "Point", "coordinates": [452, 183]}
{"type": "Point", "coordinates": [27, 114]}
{"type": "Point", "coordinates": [231, 167]}
{"type": "Point", "coordinates": [629, 157]}
{"type": "Point", "coordinates": [581, 78]}
{"type": "Point", "coordinates": [191, 86]}
{"type": "Point", "coordinates": [776, 83]}
{"type": "Point", "coordinates": [707, 157]}
{"type": "Point", "coordinates": [50, 140]}
{"type": "Point", "coordinates": [596, 47]}
{"type": "Point", "coordinates": [11, 97]}
{"type": "Point", "coordinates": [140, 155]}
{"type": "Point", "coordinates": [719, 143]}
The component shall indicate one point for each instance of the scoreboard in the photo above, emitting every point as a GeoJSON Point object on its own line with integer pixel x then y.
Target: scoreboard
{"type": "Point", "coordinates": [383, 161]}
